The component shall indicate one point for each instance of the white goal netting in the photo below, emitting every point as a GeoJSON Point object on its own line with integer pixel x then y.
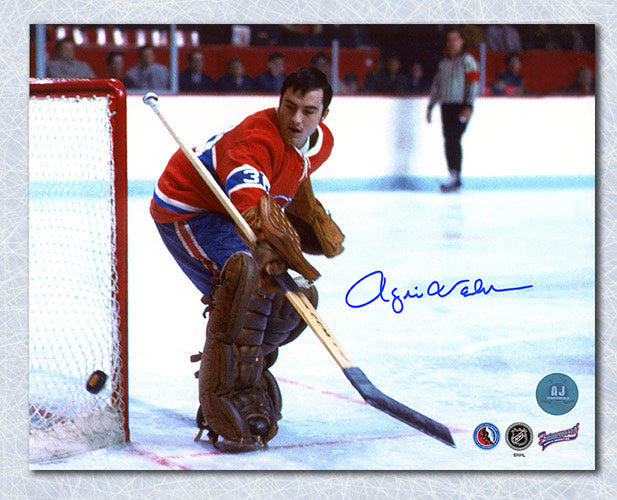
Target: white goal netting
{"type": "Point", "coordinates": [74, 312]}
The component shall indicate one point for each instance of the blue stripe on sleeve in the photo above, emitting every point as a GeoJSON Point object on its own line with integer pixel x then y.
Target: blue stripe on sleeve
{"type": "Point", "coordinates": [208, 161]}
{"type": "Point", "coordinates": [246, 176]}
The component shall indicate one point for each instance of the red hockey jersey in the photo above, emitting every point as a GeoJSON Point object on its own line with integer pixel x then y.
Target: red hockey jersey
{"type": "Point", "coordinates": [247, 161]}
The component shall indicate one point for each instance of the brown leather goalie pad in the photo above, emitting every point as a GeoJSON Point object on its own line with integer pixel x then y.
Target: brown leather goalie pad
{"type": "Point", "coordinates": [235, 390]}
{"type": "Point", "coordinates": [272, 226]}
{"type": "Point", "coordinates": [284, 323]}
{"type": "Point", "coordinates": [319, 234]}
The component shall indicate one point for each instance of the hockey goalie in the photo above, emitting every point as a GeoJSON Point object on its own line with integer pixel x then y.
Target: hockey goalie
{"type": "Point", "coordinates": [264, 166]}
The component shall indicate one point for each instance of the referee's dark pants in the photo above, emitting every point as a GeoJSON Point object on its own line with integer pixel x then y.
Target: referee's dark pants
{"type": "Point", "coordinates": [453, 131]}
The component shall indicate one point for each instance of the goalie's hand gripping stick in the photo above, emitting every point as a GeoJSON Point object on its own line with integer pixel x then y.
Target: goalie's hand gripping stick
{"type": "Point", "coordinates": [307, 312]}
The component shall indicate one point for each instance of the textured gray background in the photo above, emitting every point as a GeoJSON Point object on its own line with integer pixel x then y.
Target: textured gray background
{"type": "Point", "coordinates": [15, 479]}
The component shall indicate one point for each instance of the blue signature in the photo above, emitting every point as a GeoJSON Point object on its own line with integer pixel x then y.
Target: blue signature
{"type": "Point", "coordinates": [435, 289]}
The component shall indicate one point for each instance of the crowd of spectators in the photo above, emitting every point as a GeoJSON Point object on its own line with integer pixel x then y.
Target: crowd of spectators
{"type": "Point", "coordinates": [583, 84]}
{"type": "Point", "coordinates": [510, 82]}
{"type": "Point", "coordinates": [409, 56]}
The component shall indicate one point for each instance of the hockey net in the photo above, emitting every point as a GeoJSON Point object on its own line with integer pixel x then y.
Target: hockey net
{"type": "Point", "coordinates": [77, 264]}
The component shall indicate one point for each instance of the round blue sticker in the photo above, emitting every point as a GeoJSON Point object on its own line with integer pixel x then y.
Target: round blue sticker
{"type": "Point", "coordinates": [557, 394]}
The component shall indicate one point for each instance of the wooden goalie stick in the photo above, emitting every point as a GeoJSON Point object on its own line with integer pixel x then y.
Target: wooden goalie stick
{"type": "Point", "coordinates": [307, 312]}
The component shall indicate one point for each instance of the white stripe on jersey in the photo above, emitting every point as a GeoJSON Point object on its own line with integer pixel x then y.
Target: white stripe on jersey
{"type": "Point", "coordinates": [175, 203]}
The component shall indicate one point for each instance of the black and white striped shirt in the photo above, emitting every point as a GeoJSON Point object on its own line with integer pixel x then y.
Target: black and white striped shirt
{"type": "Point", "coordinates": [457, 81]}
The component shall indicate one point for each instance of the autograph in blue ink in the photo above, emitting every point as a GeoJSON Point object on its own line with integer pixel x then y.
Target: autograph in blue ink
{"type": "Point", "coordinates": [434, 289]}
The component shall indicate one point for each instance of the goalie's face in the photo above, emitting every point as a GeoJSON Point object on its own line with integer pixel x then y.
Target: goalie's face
{"type": "Point", "coordinates": [299, 114]}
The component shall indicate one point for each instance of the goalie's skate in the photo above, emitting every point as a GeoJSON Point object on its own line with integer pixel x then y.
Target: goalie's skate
{"type": "Point", "coordinates": [228, 445]}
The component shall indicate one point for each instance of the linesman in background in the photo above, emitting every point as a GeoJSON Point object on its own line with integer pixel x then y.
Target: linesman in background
{"type": "Point", "coordinates": [455, 87]}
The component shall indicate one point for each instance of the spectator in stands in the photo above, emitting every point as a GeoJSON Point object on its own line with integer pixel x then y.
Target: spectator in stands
{"type": "Point", "coordinates": [65, 65]}
{"type": "Point", "coordinates": [350, 35]}
{"type": "Point", "coordinates": [584, 83]}
{"type": "Point", "coordinates": [474, 35]}
{"type": "Point", "coordinates": [503, 37]}
{"type": "Point", "coordinates": [293, 35]}
{"type": "Point", "coordinates": [266, 34]}
{"type": "Point", "coordinates": [576, 37]}
{"type": "Point", "coordinates": [322, 62]}
{"type": "Point", "coordinates": [542, 36]}
{"type": "Point", "coordinates": [147, 74]}
{"type": "Point", "coordinates": [115, 68]}
{"type": "Point", "coordinates": [425, 44]}
{"type": "Point", "coordinates": [388, 79]}
{"type": "Point", "coordinates": [498, 87]}
{"type": "Point", "coordinates": [272, 79]}
{"type": "Point", "coordinates": [316, 36]}
{"type": "Point", "coordinates": [511, 77]}
{"type": "Point", "coordinates": [588, 34]}
{"type": "Point", "coordinates": [418, 83]}
{"type": "Point", "coordinates": [235, 80]}
{"type": "Point", "coordinates": [351, 84]}
{"type": "Point", "coordinates": [305, 35]}
{"type": "Point", "coordinates": [193, 79]}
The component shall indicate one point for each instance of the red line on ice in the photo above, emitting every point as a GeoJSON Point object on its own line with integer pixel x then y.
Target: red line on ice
{"type": "Point", "coordinates": [300, 445]}
{"type": "Point", "coordinates": [454, 430]}
{"type": "Point", "coordinates": [165, 462]}
{"type": "Point", "coordinates": [340, 396]}
{"type": "Point", "coordinates": [309, 444]}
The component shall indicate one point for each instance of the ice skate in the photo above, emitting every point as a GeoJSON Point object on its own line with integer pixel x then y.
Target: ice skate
{"type": "Point", "coordinates": [452, 184]}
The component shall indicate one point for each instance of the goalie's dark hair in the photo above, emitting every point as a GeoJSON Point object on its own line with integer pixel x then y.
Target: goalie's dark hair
{"type": "Point", "coordinates": [307, 78]}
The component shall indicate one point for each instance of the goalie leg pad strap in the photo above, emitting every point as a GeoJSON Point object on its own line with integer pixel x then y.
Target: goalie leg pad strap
{"type": "Point", "coordinates": [272, 387]}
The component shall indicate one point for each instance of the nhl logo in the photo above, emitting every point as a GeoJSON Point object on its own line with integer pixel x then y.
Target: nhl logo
{"type": "Point", "coordinates": [519, 436]}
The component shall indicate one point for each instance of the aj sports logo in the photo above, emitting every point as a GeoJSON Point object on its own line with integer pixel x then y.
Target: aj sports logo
{"type": "Point", "coordinates": [486, 436]}
{"type": "Point", "coordinates": [545, 440]}
{"type": "Point", "coordinates": [557, 394]}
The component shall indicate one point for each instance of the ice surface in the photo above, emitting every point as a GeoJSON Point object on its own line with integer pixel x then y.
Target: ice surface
{"type": "Point", "coordinates": [459, 360]}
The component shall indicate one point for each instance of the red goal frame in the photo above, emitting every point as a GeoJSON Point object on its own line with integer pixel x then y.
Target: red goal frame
{"type": "Point", "coordinates": [115, 92]}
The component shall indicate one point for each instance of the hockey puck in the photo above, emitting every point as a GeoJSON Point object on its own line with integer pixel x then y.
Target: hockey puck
{"type": "Point", "coordinates": [96, 381]}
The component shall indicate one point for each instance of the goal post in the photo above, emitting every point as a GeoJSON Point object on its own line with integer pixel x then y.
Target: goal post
{"type": "Point", "coordinates": [77, 266]}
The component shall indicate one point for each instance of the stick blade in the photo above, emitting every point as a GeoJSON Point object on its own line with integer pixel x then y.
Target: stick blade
{"type": "Point", "coordinates": [386, 404]}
